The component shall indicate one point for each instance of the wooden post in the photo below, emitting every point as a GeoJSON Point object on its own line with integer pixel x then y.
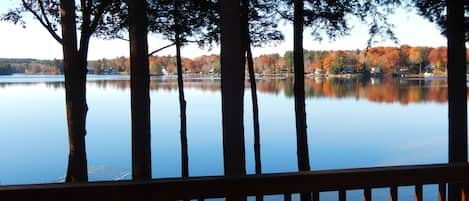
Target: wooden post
{"type": "Point", "coordinates": [393, 193]}
{"type": "Point", "coordinates": [315, 196]}
{"type": "Point", "coordinates": [367, 194]}
{"type": "Point", "coordinates": [418, 194]}
{"type": "Point", "coordinates": [287, 197]}
{"type": "Point", "coordinates": [342, 195]}
{"type": "Point", "coordinates": [457, 98]}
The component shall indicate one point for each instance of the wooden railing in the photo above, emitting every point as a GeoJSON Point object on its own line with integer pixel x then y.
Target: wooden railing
{"type": "Point", "coordinates": [252, 185]}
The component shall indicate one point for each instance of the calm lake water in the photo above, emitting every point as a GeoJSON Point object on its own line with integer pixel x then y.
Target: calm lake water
{"type": "Point", "coordinates": [351, 123]}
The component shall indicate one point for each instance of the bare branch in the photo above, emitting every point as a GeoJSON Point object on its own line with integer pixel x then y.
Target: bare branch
{"type": "Point", "coordinates": [122, 38]}
{"type": "Point", "coordinates": [159, 49]}
{"type": "Point", "coordinates": [46, 24]}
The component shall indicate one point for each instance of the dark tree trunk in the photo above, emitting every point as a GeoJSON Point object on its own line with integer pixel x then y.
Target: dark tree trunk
{"type": "Point", "coordinates": [140, 86]}
{"type": "Point", "coordinates": [252, 80]}
{"type": "Point", "coordinates": [75, 92]}
{"type": "Point", "coordinates": [182, 100]}
{"type": "Point", "coordinates": [232, 90]}
{"type": "Point", "coordinates": [457, 92]}
{"type": "Point", "coordinates": [298, 88]}
{"type": "Point", "coordinates": [255, 113]}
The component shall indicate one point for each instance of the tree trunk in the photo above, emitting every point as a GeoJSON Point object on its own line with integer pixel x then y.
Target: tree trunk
{"type": "Point", "coordinates": [232, 90]}
{"type": "Point", "coordinates": [140, 94]}
{"type": "Point", "coordinates": [252, 80]}
{"type": "Point", "coordinates": [182, 100]}
{"type": "Point", "coordinates": [457, 92]}
{"type": "Point", "coordinates": [298, 88]}
{"type": "Point", "coordinates": [75, 92]}
{"type": "Point", "coordinates": [255, 113]}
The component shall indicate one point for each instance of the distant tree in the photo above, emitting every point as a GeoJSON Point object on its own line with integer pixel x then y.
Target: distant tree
{"type": "Point", "coordinates": [438, 57]}
{"type": "Point", "coordinates": [5, 68]}
{"type": "Point", "coordinates": [51, 14]}
{"type": "Point", "coordinates": [288, 56]}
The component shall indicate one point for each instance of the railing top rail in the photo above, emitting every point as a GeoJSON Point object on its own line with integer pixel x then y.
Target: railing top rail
{"type": "Point", "coordinates": [220, 186]}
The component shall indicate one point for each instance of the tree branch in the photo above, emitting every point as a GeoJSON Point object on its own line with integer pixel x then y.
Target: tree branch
{"type": "Point", "coordinates": [86, 30]}
{"type": "Point", "coordinates": [122, 38]}
{"type": "Point", "coordinates": [46, 24]}
{"type": "Point", "coordinates": [159, 49]}
{"type": "Point", "coordinates": [99, 13]}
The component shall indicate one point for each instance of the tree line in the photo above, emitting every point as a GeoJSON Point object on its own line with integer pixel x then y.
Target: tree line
{"type": "Point", "coordinates": [418, 59]}
{"type": "Point", "coordinates": [30, 66]}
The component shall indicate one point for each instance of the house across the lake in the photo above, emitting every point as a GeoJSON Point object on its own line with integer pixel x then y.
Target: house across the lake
{"type": "Point", "coordinates": [110, 70]}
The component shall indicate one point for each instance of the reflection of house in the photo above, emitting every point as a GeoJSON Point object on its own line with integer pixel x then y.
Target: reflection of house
{"type": "Point", "coordinates": [375, 81]}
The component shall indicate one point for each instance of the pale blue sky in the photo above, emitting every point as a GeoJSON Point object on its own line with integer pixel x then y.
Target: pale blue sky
{"type": "Point", "coordinates": [35, 42]}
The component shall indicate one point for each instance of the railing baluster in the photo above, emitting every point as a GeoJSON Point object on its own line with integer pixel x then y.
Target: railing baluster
{"type": "Point", "coordinates": [393, 193]}
{"type": "Point", "coordinates": [315, 196]}
{"type": "Point", "coordinates": [442, 192]}
{"type": "Point", "coordinates": [367, 194]}
{"type": "Point", "coordinates": [287, 196]}
{"type": "Point", "coordinates": [342, 195]}
{"type": "Point", "coordinates": [259, 197]}
{"type": "Point", "coordinates": [418, 192]}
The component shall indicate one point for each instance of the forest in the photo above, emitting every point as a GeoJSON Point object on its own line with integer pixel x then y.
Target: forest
{"type": "Point", "coordinates": [390, 59]}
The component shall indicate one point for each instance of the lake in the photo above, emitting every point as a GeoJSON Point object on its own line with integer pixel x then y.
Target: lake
{"type": "Point", "coordinates": [351, 123]}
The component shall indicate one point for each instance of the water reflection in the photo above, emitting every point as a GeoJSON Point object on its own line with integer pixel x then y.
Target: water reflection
{"type": "Point", "coordinates": [381, 90]}
{"type": "Point", "coordinates": [343, 132]}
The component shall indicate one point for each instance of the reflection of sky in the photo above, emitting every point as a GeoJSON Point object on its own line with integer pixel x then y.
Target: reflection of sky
{"type": "Point", "coordinates": [343, 133]}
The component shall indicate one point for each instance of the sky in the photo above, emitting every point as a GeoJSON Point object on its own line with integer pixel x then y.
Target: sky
{"type": "Point", "coordinates": [35, 42]}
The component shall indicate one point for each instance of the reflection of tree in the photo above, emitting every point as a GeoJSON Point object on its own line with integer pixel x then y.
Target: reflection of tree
{"type": "Point", "coordinates": [381, 90]}
{"type": "Point", "coordinates": [384, 90]}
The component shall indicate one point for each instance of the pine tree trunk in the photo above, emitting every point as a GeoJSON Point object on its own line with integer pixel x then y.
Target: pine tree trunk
{"type": "Point", "coordinates": [182, 100]}
{"type": "Point", "coordinates": [140, 94]}
{"type": "Point", "coordinates": [298, 88]}
{"type": "Point", "coordinates": [75, 92]}
{"type": "Point", "coordinates": [457, 91]}
{"type": "Point", "coordinates": [255, 113]}
{"type": "Point", "coordinates": [232, 91]}
{"type": "Point", "coordinates": [252, 81]}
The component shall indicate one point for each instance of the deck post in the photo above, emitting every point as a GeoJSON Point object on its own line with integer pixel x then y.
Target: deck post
{"type": "Point", "coordinates": [457, 94]}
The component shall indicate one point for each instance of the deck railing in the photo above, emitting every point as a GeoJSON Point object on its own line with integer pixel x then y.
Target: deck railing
{"type": "Point", "coordinates": [285, 184]}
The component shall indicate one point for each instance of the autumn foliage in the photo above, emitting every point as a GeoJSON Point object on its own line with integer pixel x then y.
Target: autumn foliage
{"type": "Point", "coordinates": [389, 59]}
